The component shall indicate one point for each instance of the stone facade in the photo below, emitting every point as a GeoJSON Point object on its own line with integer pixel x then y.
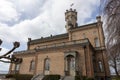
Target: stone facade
{"type": "Point", "coordinates": [80, 51]}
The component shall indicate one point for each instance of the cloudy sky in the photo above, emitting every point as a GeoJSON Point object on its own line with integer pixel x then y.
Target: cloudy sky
{"type": "Point", "coordinates": [23, 19]}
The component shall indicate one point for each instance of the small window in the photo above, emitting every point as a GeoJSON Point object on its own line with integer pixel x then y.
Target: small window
{"type": "Point", "coordinates": [32, 65]}
{"type": "Point", "coordinates": [47, 64]}
{"type": "Point", "coordinates": [96, 41]}
{"type": "Point", "coordinates": [100, 66]}
{"type": "Point", "coordinates": [84, 36]}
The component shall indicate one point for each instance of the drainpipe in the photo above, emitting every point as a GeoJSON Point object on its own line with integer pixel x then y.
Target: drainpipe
{"type": "Point", "coordinates": [85, 58]}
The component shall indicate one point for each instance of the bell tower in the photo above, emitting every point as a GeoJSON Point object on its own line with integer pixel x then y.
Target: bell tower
{"type": "Point", "coordinates": [71, 19]}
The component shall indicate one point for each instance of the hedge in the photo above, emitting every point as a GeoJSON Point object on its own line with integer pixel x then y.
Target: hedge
{"type": "Point", "coordinates": [20, 76]}
{"type": "Point", "coordinates": [83, 78]}
{"type": "Point", "coordinates": [51, 77]}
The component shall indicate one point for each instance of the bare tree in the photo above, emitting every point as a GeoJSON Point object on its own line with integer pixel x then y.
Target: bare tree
{"type": "Point", "coordinates": [10, 58]}
{"type": "Point", "coordinates": [111, 12]}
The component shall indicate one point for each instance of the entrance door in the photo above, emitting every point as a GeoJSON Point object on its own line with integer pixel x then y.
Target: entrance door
{"type": "Point", "coordinates": [70, 63]}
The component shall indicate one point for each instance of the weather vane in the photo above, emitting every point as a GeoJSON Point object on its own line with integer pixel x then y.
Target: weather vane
{"type": "Point", "coordinates": [71, 5]}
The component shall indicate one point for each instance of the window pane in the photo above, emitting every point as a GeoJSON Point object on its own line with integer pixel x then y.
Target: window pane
{"type": "Point", "coordinates": [32, 65]}
{"type": "Point", "coordinates": [100, 66]}
{"type": "Point", "coordinates": [17, 67]}
{"type": "Point", "coordinates": [96, 40]}
{"type": "Point", "coordinates": [72, 63]}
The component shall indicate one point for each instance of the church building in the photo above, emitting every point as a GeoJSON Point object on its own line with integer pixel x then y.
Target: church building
{"type": "Point", "coordinates": [81, 50]}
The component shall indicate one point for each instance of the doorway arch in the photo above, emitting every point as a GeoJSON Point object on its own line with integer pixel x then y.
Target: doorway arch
{"type": "Point", "coordinates": [70, 65]}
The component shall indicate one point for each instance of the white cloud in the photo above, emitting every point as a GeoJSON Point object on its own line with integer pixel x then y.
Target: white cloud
{"type": "Point", "coordinates": [4, 50]}
{"type": "Point", "coordinates": [49, 21]}
{"type": "Point", "coordinates": [8, 11]}
{"type": "Point", "coordinates": [36, 18]}
{"type": "Point", "coordinates": [3, 66]}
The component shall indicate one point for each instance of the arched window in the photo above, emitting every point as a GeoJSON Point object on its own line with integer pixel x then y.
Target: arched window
{"type": "Point", "coordinates": [32, 65]}
{"type": "Point", "coordinates": [70, 62]}
{"type": "Point", "coordinates": [47, 64]}
{"type": "Point", "coordinates": [96, 41]}
{"type": "Point", "coordinates": [100, 66]}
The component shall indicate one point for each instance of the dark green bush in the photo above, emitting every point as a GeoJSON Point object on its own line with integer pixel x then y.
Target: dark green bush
{"type": "Point", "coordinates": [51, 77]}
{"type": "Point", "coordinates": [9, 75]}
{"type": "Point", "coordinates": [116, 78]}
{"type": "Point", "coordinates": [20, 76]}
{"type": "Point", "coordinates": [83, 78]}
{"type": "Point", "coordinates": [90, 79]}
{"type": "Point", "coordinates": [77, 78]}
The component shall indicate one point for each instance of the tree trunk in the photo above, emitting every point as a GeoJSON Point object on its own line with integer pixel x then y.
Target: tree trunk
{"type": "Point", "coordinates": [115, 67]}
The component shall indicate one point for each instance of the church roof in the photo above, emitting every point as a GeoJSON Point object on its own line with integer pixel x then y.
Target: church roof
{"type": "Point", "coordinates": [50, 38]}
{"type": "Point", "coordinates": [88, 25]}
{"type": "Point", "coordinates": [60, 36]}
{"type": "Point", "coordinates": [85, 26]}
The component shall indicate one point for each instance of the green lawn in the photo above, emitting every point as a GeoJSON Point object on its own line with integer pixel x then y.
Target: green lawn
{"type": "Point", "coordinates": [114, 78]}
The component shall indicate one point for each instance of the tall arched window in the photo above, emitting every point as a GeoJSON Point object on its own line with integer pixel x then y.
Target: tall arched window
{"type": "Point", "coordinates": [100, 66]}
{"type": "Point", "coordinates": [32, 65]}
{"type": "Point", "coordinates": [47, 64]}
{"type": "Point", "coordinates": [96, 41]}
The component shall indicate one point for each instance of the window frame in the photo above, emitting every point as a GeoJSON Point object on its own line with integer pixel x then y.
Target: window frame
{"type": "Point", "coordinates": [47, 65]}
{"type": "Point", "coordinates": [100, 65]}
{"type": "Point", "coordinates": [32, 65]}
{"type": "Point", "coordinates": [96, 42]}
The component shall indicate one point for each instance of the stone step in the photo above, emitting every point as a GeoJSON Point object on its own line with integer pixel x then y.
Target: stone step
{"type": "Point", "coordinates": [37, 77]}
